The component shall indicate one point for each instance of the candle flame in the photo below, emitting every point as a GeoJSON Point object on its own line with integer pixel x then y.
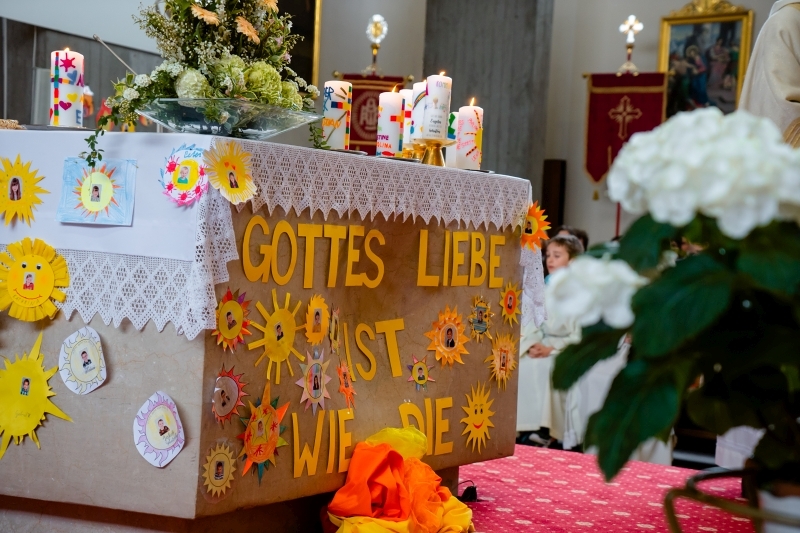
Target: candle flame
{"type": "Point", "coordinates": [394, 89]}
{"type": "Point", "coordinates": [66, 49]}
{"type": "Point", "coordinates": [441, 73]}
{"type": "Point", "coordinates": [472, 102]}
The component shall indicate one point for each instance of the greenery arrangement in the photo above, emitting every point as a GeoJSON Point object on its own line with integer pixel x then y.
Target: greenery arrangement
{"type": "Point", "coordinates": [212, 49]}
{"type": "Point", "coordinates": [717, 332]}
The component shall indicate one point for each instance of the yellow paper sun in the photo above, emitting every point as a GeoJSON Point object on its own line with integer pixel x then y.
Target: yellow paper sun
{"type": "Point", "coordinates": [232, 322]}
{"type": "Point", "coordinates": [317, 318]}
{"type": "Point", "coordinates": [95, 192]}
{"type": "Point", "coordinates": [480, 320]}
{"type": "Point", "coordinates": [19, 190]}
{"type": "Point", "coordinates": [31, 273]}
{"type": "Point", "coordinates": [447, 337]}
{"type": "Point", "coordinates": [219, 469]}
{"type": "Point", "coordinates": [279, 332]}
{"type": "Point", "coordinates": [478, 419]}
{"type": "Point", "coordinates": [262, 434]}
{"type": "Point", "coordinates": [229, 171]}
{"type": "Point", "coordinates": [510, 303]}
{"type": "Point", "coordinates": [502, 360]}
{"type": "Point", "coordinates": [24, 397]}
{"type": "Point", "coordinates": [534, 229]}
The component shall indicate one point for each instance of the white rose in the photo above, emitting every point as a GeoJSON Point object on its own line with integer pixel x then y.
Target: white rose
{"type": "Point", "coordinates": [130, 94]}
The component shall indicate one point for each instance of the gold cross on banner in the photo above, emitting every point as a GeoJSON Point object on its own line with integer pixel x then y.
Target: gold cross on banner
{"type": "Point", "coordinates": [624, 114]}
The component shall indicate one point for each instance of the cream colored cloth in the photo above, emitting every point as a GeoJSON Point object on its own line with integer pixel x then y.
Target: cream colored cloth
{"type": "Point", "coordinates": [772, 84]}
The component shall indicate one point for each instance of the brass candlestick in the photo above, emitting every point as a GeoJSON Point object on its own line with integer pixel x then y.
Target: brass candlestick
{"type": "Point", "coordinates": [433, 151]}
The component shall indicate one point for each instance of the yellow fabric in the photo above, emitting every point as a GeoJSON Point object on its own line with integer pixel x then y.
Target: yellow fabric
{"type": "Point", "coordinates": [408, 442]}
{"type": "Point", "coordinates": [457, 518]}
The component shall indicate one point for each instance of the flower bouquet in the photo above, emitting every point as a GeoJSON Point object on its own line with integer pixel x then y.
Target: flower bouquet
{"type": "Point", "coordinates": [225, 70]}
{"type": "Point", "coordinates": [717, 332]}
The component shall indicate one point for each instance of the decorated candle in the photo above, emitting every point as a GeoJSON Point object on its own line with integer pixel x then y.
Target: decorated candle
{"type": "Point", "coordinates": [469, 146]}
{"type": "Point", "coordinates": [452, 130]}
{"type": "Point", "coordinates": [66, 88]}
{"type": "Point", "coordinates": [336, 107]}
{"type": "Point", "coordinates": [437, 107]}
{"type": "Point", "coordinates": [417, 109]}
{"type": "Point", "coordinates": [408, 104]}
{"type": "Point", "coordinates": [391, 112]}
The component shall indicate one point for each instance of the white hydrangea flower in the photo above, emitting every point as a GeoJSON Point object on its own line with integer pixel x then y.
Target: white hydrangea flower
{"type": "Point", "coordinates": [734, 168]}
{"type": "Point", "coordinates": [313, 91]}
{"type": "Point", "coordinates": [591, 289]}
{"type": "Point", "coordinates": [130, 94]}
{"type": "Point", "coordinates": [191, 84]}
{"type": "Point", "coordinates": [141, 80]}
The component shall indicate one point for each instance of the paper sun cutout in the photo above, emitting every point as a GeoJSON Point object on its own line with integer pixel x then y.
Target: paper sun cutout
{"type": "Point", "coordinates": [447, 337]}
{"type": "Point", "coordinates": [317, 318]}
{"type": "Point", "coordinates": [25, 397]}
{"type": "Point", "coordinates": [184, 176]}
{"type": "Point", "coordinates": [420, 373]}
{"type": "Point", "coordinates": [534, 229]}
{"type": "Point", "coordinates": [314, 381]}
{"type": "Point", "coordinates": [502, 360]}
{"type": "Point", "coordinates": [346, 385]}
{"type": "Point", "coordinates": [478, 419]}
{"type": "Point", "coordinates": [157, 430]}
{"type": "Point", "coordinates": [262, 434]}
{"type": "Point", "coordinates": [334, 334]}
{"type": "Point", "coordinates": [509, 303]}
{"type": "Point", "coordinates": [31, 273]}
{"type": "Point", "coordinates": [19, 190]}
{"type": "Point", "coordinates": [228, 394]}
{"type": "Point", "coordinates": [219, 469]}
{"type": "Point", "coordinates": [81, 363]}
{"type": "Point", "coordinates": [279, 332]}
{"type": "Point", "coordinates": [232, 322]}
{"type": "Point", "coordinates": [229, 171]}
{"type": "Point", "coordinates": [95, 193]}
{"type": "Point", "coordinates": [480, 320]}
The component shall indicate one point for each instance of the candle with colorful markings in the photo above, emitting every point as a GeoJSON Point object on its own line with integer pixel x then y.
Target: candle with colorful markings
{"type": "Point", "coordinates": [336, 108]}
{"type": "Point", "coordinates": [408, 105]}
{"type": "Point", "coordinates": [66, 89]}
{"type": "Point", "coordinates": [469, 145]}
{"type": "Point", "coordinates": [437, 107]}
{"type": "Point", "coordinates": [452, 137]}
{"type": "Point", "coordinates": [417, 109]}
{"type": "Point", "coordinates": [391, 113]}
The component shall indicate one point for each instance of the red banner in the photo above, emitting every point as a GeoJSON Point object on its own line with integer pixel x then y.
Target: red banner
{"type": "Point", "coordinates": [619, 106]}
{"type": "Point", "coordinates": [364, 116]}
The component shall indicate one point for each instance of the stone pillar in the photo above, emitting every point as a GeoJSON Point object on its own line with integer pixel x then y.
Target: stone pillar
{"type": "Point", "coordinates": [498, 52]}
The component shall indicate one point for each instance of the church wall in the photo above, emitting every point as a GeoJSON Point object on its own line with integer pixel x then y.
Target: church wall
{"type": "Point", "coordinates": [585, 39]}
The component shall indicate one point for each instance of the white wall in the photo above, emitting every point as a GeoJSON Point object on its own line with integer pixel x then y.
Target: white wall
{"type": "Point", "coordinates": [586, 39]}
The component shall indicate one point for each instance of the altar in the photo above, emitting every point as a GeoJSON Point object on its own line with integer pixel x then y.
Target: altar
{"type": "Point", "coordinates": [348, 295]}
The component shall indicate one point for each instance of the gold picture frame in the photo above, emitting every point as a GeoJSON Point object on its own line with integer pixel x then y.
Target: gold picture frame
{"type": "Point", "coordinates": [702, 72]}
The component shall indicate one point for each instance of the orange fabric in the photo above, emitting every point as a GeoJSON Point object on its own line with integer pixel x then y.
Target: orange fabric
{"type": "Point", "coordinates": [427, 496]}
{"type": "Point", "coordinates": [375, 486]}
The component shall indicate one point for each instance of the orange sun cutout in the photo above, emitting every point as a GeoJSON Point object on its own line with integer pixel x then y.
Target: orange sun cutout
{"type": "Point", "coordinates": [534, 229]}
{"type": "Point", "coordinates": [95, 192]}
{"type": "Point", "coordinates": [447, 337]}
{"type": "Point", "coordinates": [346, 385]}
{"type": "Point", "coordinates": [232, 322]}
{"type": "Point", "coordinates": [510, 303]}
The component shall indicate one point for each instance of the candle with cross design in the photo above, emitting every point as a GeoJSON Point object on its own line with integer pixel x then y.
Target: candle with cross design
{"type": "Point", "coordinates": [437, 107]}
{"type": "Point", "coordinates": [469, 146]}
{"type": "Point", "coordinates": [408, 106]}
{"type": "Point", "coordinates": [336, 108]}
{"type": "Point", "coordinates": [418, 109]}
{"type": "Point", "coordinates": [66, 89]}
{"type": "Point", "coordinates": [391, 116]}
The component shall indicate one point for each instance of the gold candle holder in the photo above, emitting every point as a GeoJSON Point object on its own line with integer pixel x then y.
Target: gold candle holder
{"type": "Point", "coordinates": [433, 151]}
{"type": "Point", "coordinates": [418, 151]}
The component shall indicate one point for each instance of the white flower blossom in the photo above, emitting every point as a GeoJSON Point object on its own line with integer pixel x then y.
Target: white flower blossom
{"type": "Point", "coordinates": [591, 289]}
{"type": "Point", "coordinates": [191, 84]}
{"type": "Point", "coordinates": [734, 168]}
{"type": "Point", "coordinates": [130, 94]}
{"type": "Point", "coordinates": [313, 91]}
{"type": "Point", "coordinates": [142, 80]}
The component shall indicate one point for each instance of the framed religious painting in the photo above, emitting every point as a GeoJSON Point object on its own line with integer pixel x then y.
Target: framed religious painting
{"type": "Point", "coordinates": [705, 49]}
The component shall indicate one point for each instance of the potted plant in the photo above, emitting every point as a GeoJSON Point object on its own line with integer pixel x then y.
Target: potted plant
{"type": "Point", "coordinates": [717, 332]}
{"type": "Point", "coordinates": [224, 61]}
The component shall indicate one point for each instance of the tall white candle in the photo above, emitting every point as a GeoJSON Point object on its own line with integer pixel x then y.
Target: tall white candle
{"type": "Point", "coordinates": [408, 105]}
{"type": "Point", "coordinates": [336, 107]}
{"type": "Point", "coordinates": [391, 107]}
{"type": "Point", "coordinates": [66, 89]}
{"type": "Point", "coordinates": [418, 109]}
{"type": "Point", "coordinates": [469, 147]}
{"type": "Point", "coordinates": [437, 107]}
{"type": "Point", "coordinates": [452, 131]}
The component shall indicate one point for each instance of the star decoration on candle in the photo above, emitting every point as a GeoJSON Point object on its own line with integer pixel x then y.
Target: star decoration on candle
{"type": "Point", "coordinates": [68, 63]}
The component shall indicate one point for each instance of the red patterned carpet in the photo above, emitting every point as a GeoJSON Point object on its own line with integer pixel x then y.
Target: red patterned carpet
{"type": "Point", "coordinates": [550, 490]}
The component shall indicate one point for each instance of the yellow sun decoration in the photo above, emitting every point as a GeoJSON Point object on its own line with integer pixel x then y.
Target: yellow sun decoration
{"type": "Point", "coordinates": [25, 397]}
{"type": "Point", "coordinates": [447, 337]}
{"type": "Point", "coordinates": [95, 192]}
{"type": "Point", "coordinates": [229, 171]}
{"type": "Point", "coordinates": [219, 469]}
{"type": "Point", "coordinates": [317, 320]}
{"type": "Point", "coordinates": [510, 303]}
{"type": "Point", "coordinates": [534, 228]}
{"type": "Point", "coordinates": [232, 321]}
{"type": "Point", "coordinates": [19, 190]}
{"type": "Point", "coordinates": [279, 333]}
{"type": "Point", "coordinates": [31, 273]}
{"type": "Point", "coordinates": [478, 419]}
{"type": "Point", "coordinates": [502, 361]}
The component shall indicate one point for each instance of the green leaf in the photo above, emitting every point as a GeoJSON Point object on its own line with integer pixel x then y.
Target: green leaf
{"type": "Point", "coordinates": [642, 245]}
{"type": "Point", "coordinates": [771, 256]}
{"type": "Point", "coordinates": [718, 409]}
{"type": "Point", "coordinates": [680, 304]}
{"type": "Point", "coordinates": [643, 402]}
{"type": "Point", "coordinates": [792, 374]}
{"type": "Point", "coordinates": [598, 342]}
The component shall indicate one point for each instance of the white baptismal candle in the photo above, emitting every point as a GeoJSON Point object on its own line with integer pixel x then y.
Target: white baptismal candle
{"type": "Point", "coordinates": [437, 107]}
{"type": "Point", "coordinates": [336, 107]}
{"type": "Point", "coordinates": [408, 105]}
{"type": "Point", "coordinates": [452, 131]}
{"type": "Point", "coordinates": [66, 89]}
{"type": "Point", "coordinates": [391, 110]}
{"type": "Point", "coordinates": [418, 109]}
{"type": "Point", "coordinates": [469, 147]}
